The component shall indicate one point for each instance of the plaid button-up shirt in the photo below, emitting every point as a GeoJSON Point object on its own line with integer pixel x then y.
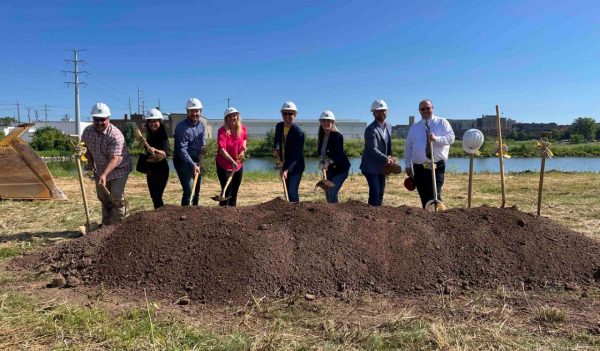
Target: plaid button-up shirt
{"type": "Point", "coordinates": [103, 146]}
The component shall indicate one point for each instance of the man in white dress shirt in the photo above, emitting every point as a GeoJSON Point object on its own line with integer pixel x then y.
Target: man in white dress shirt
{"type": "Point", "coordinates": [417, 152]}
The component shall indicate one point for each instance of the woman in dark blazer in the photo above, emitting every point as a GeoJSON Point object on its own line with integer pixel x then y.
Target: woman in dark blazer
{"type": "Point", "coordinates": [288, 148]}
{"type": "Point", "coordinates": [158, 167]}
{"type": "Point", "coordinates": [330, 146]}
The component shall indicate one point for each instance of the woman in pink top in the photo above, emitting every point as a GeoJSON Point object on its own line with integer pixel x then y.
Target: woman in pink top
{"type": "Point", "coordinates": [231, 144]}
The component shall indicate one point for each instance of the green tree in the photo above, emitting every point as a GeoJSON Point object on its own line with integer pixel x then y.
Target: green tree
{"type": "Point", "coordinates": [577, 139]}
{"type": "Point", "coordinates": [4, 121]}
{"type": "Point", "coordinates": [2, 135]}
{"type": "Point", "coordinates": [585, 126]}
{"type": "Point", "coordinates": [129, 134]}
{"type": "Point", "coordinates": [49, 138]}
{"type": "Point", "coordinates": [555, 135]}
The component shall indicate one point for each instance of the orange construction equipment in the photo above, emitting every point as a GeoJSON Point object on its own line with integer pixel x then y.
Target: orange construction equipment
{"type": "Point", "coordinates": [23, 174]}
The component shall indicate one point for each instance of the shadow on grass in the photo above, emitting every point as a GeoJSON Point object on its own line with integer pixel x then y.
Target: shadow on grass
{"type": "Point", "coordinates": [33, 236]}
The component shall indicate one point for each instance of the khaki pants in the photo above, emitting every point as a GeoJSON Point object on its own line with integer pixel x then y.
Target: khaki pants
{"type": "Point", "coordinates": [116, 187]}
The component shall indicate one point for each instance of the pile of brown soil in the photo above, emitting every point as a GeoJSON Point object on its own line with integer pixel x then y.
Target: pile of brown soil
{"type": "Point", "coordinates": [277, 248]}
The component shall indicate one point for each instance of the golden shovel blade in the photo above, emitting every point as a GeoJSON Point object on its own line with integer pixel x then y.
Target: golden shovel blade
{"type": "Point", "coordinates": [325, 184]}
{"type": "Point", "coordinates": [435, 206]}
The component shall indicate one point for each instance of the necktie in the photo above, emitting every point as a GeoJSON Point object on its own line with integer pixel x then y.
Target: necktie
{"type": "Point", "coordinates": [428, 145]}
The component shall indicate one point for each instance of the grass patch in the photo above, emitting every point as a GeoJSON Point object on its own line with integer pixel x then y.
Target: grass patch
{"type": "Point", "coordinates": [551, 314]}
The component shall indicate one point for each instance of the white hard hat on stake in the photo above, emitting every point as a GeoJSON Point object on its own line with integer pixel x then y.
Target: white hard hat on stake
{"type": "Point", "coordinates": [472, 141]}
{"type": "Point", "coordinates": [100, 110]}
{"type": "Point", "coordinates": [153, 113]}
{"type": "Point", "coordinates": [193, 104]}
{"type": "Point", "coordinates": [378, 105]}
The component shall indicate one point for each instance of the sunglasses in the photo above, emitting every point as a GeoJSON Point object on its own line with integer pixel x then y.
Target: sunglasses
{"type": "Point", "coordinates": [287, 113]}
{"type": "Point", "coordinates": [99, 120]}
{"type": "Point", "coordinates": [426, 109]}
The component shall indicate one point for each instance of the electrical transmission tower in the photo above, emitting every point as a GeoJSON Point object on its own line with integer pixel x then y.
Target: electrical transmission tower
{"type": "Point", "coordinates": [76, 84]}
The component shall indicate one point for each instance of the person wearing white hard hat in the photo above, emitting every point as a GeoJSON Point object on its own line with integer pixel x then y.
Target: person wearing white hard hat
{"type": "Point", "coordinates": [377, 152]}
{"type": "Point", "coordinates": [190, 141]}
{"type": "Point", "coordinates": [108, 157]}
{"type": "Point", "coordinates": [330, 144]}
{"type": "Point", "coordinates": [231, 146]}
{"type": "Point", "coordinates": [157, 175]}
{"type": "Point", "coordinates": [418, 153]}
{"type": "Point", "coordinates": [288, 150]}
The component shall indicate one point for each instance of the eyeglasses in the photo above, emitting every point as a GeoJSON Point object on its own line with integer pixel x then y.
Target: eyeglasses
{"type": "Point", "coordinates": [426, 108]}
{"type": "Point", "coordinates": [287, 113]}
{"type": "Point", "coordinates": [99, 120]}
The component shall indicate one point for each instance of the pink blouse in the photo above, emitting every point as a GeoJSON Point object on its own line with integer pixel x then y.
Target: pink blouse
{"type": "Point", "coordinates": [232, 144]}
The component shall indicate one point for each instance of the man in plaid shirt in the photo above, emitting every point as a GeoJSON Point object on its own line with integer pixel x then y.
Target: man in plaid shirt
{"type": "Point", "coordinates": [107, 155]}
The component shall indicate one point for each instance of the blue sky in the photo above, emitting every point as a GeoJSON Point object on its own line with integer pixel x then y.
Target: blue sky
{"type": "Point", "coordinates": [539, 60]}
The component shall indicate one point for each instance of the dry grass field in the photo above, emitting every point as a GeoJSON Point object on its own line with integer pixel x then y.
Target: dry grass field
{"type": "Point", "coordinates": [32, 317]}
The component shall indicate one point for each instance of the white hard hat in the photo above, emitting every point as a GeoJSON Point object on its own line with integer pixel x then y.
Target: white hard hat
{"type": "Point", "coordinates": [153, 113]}
{"type": "Point", "coordinates": [327, 116]}
{"type": "Point", "coordinates": [101, 110]}
{"type": "Point", "coordinates": [229, 111]}
{"type": "Point", "coordinates": [193, 104]}
{"type": "Point", "coordinates": [378, 105]}
{"type": "Point", "coordinates": [472, 141]}
{"type": "Point", "coordinates": [289, 106]}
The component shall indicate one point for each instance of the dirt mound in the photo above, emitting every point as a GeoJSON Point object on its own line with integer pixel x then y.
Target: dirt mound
{"type": "Point", "coordinates": [276, 248]}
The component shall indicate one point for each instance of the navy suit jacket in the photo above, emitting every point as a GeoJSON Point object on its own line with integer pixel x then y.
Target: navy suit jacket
{"type": "Point", "coordinates": [335, 152]}
{"type": "Point", "coordinates": [376, 150]}
{"type": "Point", "coordinates": [293, 157]}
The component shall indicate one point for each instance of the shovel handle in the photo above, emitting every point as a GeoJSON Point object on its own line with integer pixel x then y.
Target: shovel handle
{"type": "Point", "coordinates": [285, 192]}
{"type": "Point", "coordinates": [227, 183]}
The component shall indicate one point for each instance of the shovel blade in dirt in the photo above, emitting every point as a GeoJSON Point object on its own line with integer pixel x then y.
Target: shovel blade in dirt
{"type": "Point", "coordinates": [220, 198]}
{"type": "Point", "coordinates": [435, 206]}
{"type": "Point", "coordinates": [88, 228]}
{"type": "Point", "coordinates": [325, 184]}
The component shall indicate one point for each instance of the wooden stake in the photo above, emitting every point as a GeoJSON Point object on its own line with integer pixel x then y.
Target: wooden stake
{"type": "Point", "coordinates": [471, 156]}
{"type": "Point", "coordinates": [539, 204]}
{"type": "Point", "coordinates": [501, 156]}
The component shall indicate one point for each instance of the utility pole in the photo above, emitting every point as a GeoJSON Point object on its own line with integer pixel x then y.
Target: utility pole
{"type": "Point", "coordinates": [29, 115]}
{"type": "Point", "coordinates": [36, 115]}
{"type": "Point", "coordinates": [159, 104]}
{"type": "Point", "coordinates": [138, 91]}
{"type": "Point", "coordinates": [130, 107]}
{"type": "Point", "coordinates": [46, 113]}
{"type": "Point", "coordinates": [18, 113]}
{"type": "Point", "coordinates": [76, 83]}
{"type": "Point", "coordinates": [228, 102]}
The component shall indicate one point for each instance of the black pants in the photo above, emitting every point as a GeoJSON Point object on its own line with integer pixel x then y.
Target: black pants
{"type": "Point", "coordinates": [233, 187]}
{"type": "Point", "coordinates": [423, 181]}
{"type": "Point", "coordinates": [157, 178]}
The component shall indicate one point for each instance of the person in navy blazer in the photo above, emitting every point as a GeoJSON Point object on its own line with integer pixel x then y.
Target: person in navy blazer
{"type": "Point", "coordinates": [289, 148]}
{"type": "Point", "coordinates": [377, 152]}
{"type": "Point", "coordinates": [330, 145]}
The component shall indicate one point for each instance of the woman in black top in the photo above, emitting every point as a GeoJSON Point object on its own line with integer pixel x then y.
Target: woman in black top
{"type": "Point", "coordinates": [333, 157]}
{"type": "Point", "coordinates": [158, 167]}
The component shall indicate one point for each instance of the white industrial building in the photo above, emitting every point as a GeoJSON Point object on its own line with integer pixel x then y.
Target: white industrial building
{"type": "Point", "coordinates": [258, 128]}
{"type": "Point", "coordinates": [67, 127]}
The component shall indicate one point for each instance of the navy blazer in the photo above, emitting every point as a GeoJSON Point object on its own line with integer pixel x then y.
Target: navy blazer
{"type": "Point", "coordinates": [335, 152]}
{"type": "Point", "coordinates": [293, 158]}
{"type": "Point", "coordinates": [376, 150]}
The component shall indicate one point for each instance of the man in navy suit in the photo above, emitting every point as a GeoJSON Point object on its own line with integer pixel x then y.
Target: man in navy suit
{"type": "Point", "coordinates": [289, 149]}
{"type": "Point", "coordinates": [377, 152]}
